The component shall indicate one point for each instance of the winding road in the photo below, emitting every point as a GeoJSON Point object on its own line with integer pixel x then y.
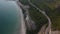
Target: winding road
{"type": "Point", "coordinates": [48, 29]}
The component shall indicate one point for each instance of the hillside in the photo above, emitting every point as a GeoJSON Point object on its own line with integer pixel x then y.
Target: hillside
{"type": "Point", "coordinates": [50, 7]}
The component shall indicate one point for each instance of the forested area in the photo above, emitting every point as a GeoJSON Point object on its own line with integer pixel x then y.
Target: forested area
{"type": "Point", "coordinates": [52, 9]}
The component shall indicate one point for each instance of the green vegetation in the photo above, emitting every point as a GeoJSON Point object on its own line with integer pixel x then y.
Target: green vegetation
{"type": "Point", "coordinates": [49, 6]}
{"type": "Point", "coordinates": [39, 18]}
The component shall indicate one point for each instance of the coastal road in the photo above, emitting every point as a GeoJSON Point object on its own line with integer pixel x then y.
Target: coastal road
{"type": "Point", "coordinates": [43, 12]}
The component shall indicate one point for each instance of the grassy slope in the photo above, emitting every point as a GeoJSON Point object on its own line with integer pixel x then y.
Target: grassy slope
{"type": "Point", "coordinates": [49, 7]}
{"type": "Point", "coordinates": [55, 16]}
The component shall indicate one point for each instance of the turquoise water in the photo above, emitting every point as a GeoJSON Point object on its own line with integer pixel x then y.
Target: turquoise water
{"type": "Point", "coordinates": [8, 17]}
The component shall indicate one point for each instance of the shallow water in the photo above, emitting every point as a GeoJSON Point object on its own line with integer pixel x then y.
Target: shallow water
{"type": "Point", "coordinates": [8, 17]}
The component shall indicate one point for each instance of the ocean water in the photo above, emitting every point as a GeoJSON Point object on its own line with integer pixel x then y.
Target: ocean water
{"type": "Point", "coordinates": [8, 17]}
